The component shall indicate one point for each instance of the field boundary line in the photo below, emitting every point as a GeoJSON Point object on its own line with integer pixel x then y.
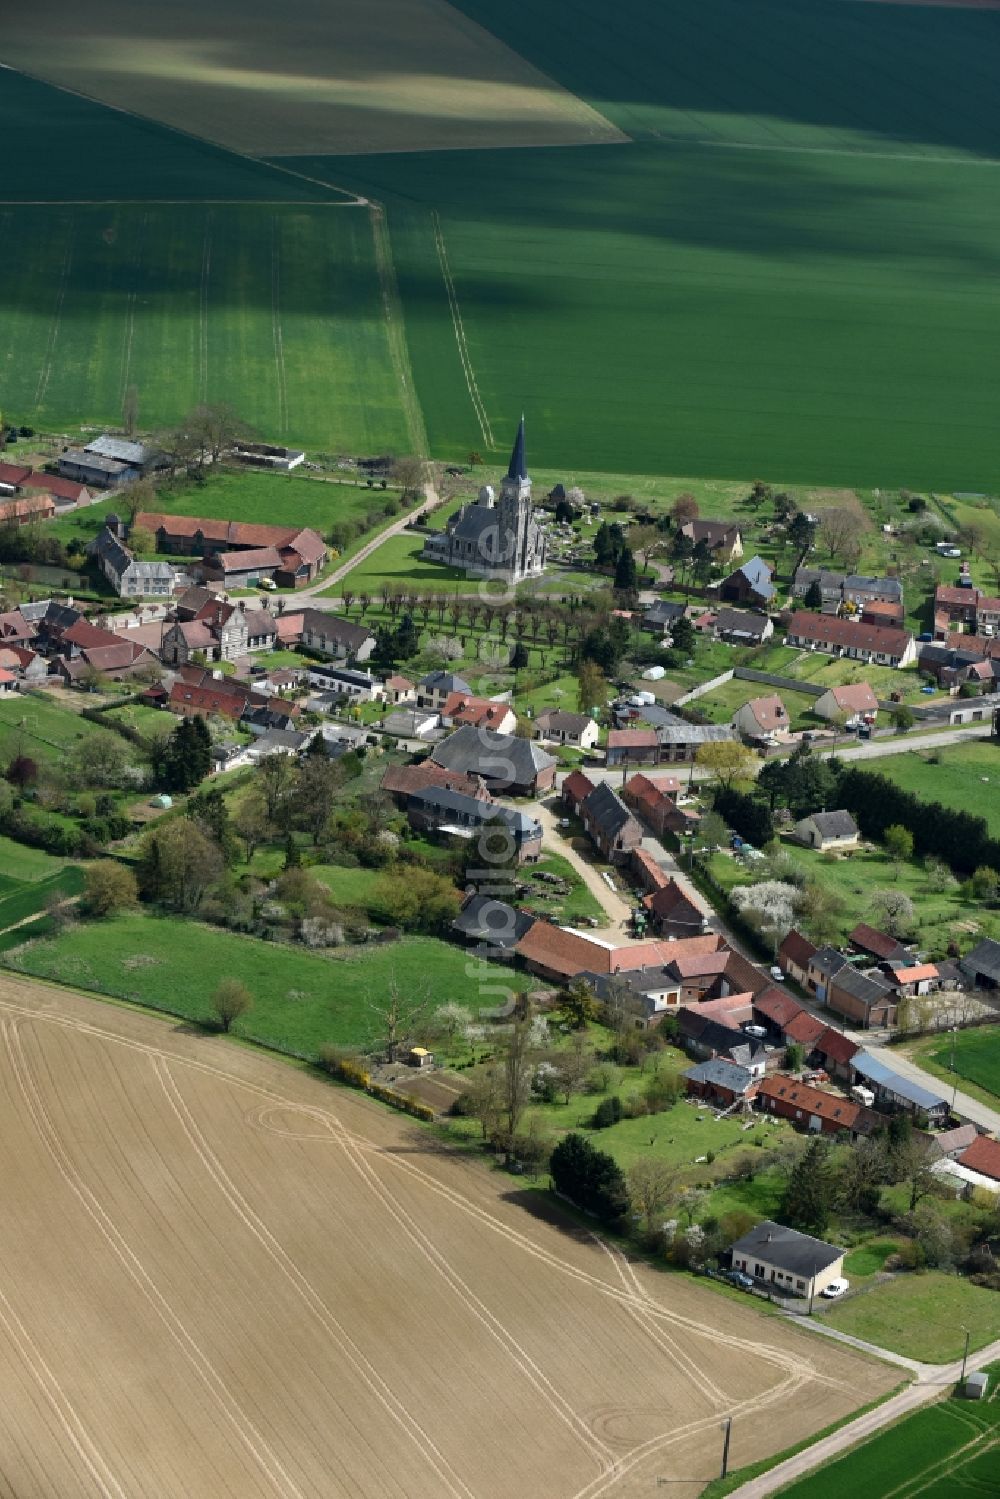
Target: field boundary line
{"type": "Point", "coordinates": [478, 405]}
{"type": "Point", "coordinates": [130, 306]}
{"type": "Point", "coordinates": [252, 1439]}
{"type": "Point", "coordinates": [176, 202]}
{"type": "Point", "coordinates": [245, 1212]}
{"type": "Point", "coordinates": [862, 154]}
{"type": "Point", "coordinates": [45, 373]}
{"type": "Point", "coordinates": [58, 1399]}
{"type": "Point", "coordinates": [276, 334]}
{"type": "Point", "coordinates": [392, 307]}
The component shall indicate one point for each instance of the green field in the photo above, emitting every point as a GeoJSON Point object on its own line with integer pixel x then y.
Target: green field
{"type": "Point", "coordinates": [921, 1316]}
{"type": "Point", "coordinates": [943, 1452]}
{"type": "Point", "coordinates": [785, 273]}
{"type": "Point", "coordinates": [976, 1054]}
{"type": "Point", "coordinates": [720, 705]}
{"type": "Point", "coordinates": [33, 725]}
{"type": "Point", "coordinates": [276, 309]}
{"type": "Point", "coordinates": [965, 776]}
{"type": "Point", "coordinates": [301, 999]}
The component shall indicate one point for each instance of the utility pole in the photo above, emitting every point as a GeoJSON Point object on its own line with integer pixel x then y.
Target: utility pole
{"type": "Point", "coordinates": [954, 1075]}
{"type": "Point", "coordinates": [965, 1356]}
{"type": "Point", "coordinates": [728, 1423]}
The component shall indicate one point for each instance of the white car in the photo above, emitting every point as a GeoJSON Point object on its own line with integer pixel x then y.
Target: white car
{"type": "Point", "coordinates": [835, 1288]}
{"type": "Point", "coordinates": [777, 974]}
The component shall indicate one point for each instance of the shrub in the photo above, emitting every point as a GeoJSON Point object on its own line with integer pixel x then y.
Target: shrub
{"type": "Point", "coordinates": [608, 1112]}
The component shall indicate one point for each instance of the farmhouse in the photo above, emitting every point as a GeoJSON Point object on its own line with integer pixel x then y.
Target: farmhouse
{"type": "Point", "coordinates": [208, 695]}
{"type": "Point", "coordinates": [824, 963]}
{"type": "Point", "coordinates": [399, 689]}
{"type": "Point", "coordinates": [644, 994]}
{"type": "Point", "coordinates": [673, 913]}
{"type": "Point", "coordinates": [451, 812]}
{"type": "Point", "coordinates": [794, 955]}
{"type": "Point", "coordinates": [863, 998]}
{"type": "Point", "coordinates": [749, 584]}
{"type": "Point", "coordinates": [741, 627]}
{"type": "Point", "coordinates": [850, 704]}
{"type": "Point", "coordinates": [721, 1083]}
{"type": "Point", "coordinates": [681, 742]}
{"type": "Point", "coordinates": [788, 1260]}
{"type": "Point", "coordinates": [860, 590]}
{"type": "Point", "coordinates": [848, 637]}
{"type": "Point", "coordinates": [401, 781]}
{"type": "Point", "coordinates": [983, 1156]}
{"type": "Point", "coordinates": [825, 830]}
{"type": "Point", "coordinates": [633, 747]}
{"type": "Point", "coordinates": [340, 639]}
{"type": "Point", "coordinates": [491, 539]}
{"type": "Point", "coordinates": [814, 1110]}
{"type": "Point", "coordinates": [831, 587]}
{"type": "Point", "coordinates": [129, 577]}
{"type": "Point", "coordinates": [434, 690]}
{"type": "Point", "coordinates": [575, 788]}
{"type": "Point", "coordinates": [723, 539]}
{"type": "Point", "coordinates": [202, 622]}
{"type": "Point", "coordinates": [653, 798]}
{"type": "Point", "coordinates": [660, 617]}
{"type": "Point", "coordinates": [705, 1037]}
{"type": "Point", "coordinates": [954, 606]}
{"type": "Point", "coordinates": [237, 553]}
{"type": "Point", "coordinates": [761, 718]}
{"type": "Point", "coordinates": [519, 766]}
{"type": "Point", "coordinates": [893, 616]}
{"type": "Point", "coordinates": [609, 824]}
{"type": "Point", "coordinates": [557, 727]}
{"type": "Point", "coordinates": [461, 708]}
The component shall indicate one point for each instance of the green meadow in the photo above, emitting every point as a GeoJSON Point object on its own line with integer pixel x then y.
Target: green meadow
{"type": "Point", "coordinates": [788, 272]}
{"type": "Point", "coordinates": [963, 776]}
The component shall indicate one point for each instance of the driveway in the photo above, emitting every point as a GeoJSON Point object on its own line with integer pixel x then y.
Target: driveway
{"type": "Point", "coordinates": [617, 909]}
{"type": "Point", "coordinates": [932, 1381]}
{"type": "Point", "coordinates": [314, 593]}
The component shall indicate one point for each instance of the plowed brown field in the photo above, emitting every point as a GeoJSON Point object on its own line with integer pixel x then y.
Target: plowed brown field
{"type": "Point", "coordinates": [219, 1277]}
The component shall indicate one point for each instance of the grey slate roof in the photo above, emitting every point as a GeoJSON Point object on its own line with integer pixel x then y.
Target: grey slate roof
{"type": "Point", "coordinates": [833, 824]}
{"type": "Point", "coordinates": [741, 622]}
{"type": "Point", "coordinates": [983, 958]}
{"type": "Point", "coordinates": [455, 806]}
{"type": "Point", "coordinates": [638, 980]}
{"type": "Point", "coordinates": [868, 990]}
{"type": "Point", "coordinates": [483, 919]}
{"type": "Point", "coordinates": [717, 1072]}
{"type": "Point", "coordinates": [499, 758]}
{"type": "Point", "coordinates": [607, 809]}
{"type": "Point", "coordinates": [120, 449]}
{"type": "Point", "coordinates": [828, 961]}
{"type": "Point", "coordinates": [886, 588]}
{"type": "Point", "coordinates": [694, 733]}
{"type": "Point", "coordinates": [562, 722]}
{"type": "Point", "coordinates": [797, 1254]}
{"type": "Point", "coordinates": [758, 575]}
{"type": "Point", "coordinates": [444, 681]}
{"type": "Point", "coordinates": [663, 612]}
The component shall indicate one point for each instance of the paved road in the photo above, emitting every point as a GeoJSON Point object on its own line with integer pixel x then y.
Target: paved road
{"type": "Point", "coordinates": [932, 1381]}
{"type": "Point", "coordinates": [899, 744]}
{"type": "Point", "coordinates": [969, 1108]}
{"type": "Point", "coordinates": [316, 591]}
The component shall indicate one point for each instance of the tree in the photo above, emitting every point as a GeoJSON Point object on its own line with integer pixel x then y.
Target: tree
{"type": "Point", "coordinates": [141, 541]}
{"type": "Point", "coordinates": [592, 687]}
{"type": "Point", "coordinates": [275, 774]}
{"type": "Point", "coordinates": [864, 1170]}
{"type": "Point", "coordinates": [839, 528]}
{"type": "Point", "coordinates": [684, 509]}
{"type": "Point", "coordinates": [22, 771]}
{"type": "Point", "coordinates": [519, 656]}
{"type": "Point", "coordinates": [408, 474]}
{"type": "Point", "coordinates": [794, 1056]}
{"type": "Point", "coordinates": [625, 572]}
{"type": "Point", "coordinates": [178, 863]}
{"type": "Point", "coordinates": [651, 1186]}
{"type": "Point", "coordinates": [711, 832]}
{"type": "Point", "coordinates": [821, 911]}
{"type": "Point", "coordinates": [814, 595]}
{"type": "Point", "coordinates": [130, 410]}
{"type": "Point", "coordinates": [644, 541]}
{"type": "Point", "coordinates": [702, 561]}
{"type": "Point", "coordinates": [131, 498]}
{"type": "Point", "coordinates": [898, 844]}
{"type": "Point", "coordinates": [216, 428]}
{"type": "Point", "coordinates": [903, 718]}
{"type": "Point", "coordinates": [396, 1017]}
{"type": "Point", "coordinates": [726, 761]}
{"type": "Point", "coordinates": [745, 814]}
{"type": "Point", "coordinates": [516, 1061]}
{"type": "Point", "coordinates": [808, 1195]}
{"type": "Point", "coordinates": [893, 911]}
{"type": "Point", "coordinates": [450, 1020]}
{"type": "Point", "coordinates": [590, 1178]}
{"type": "Point", "coordinates": [418, 900]}
{"type": "Point", "coordinates": [98, 761]}
{"type": "Point", "coordinates": [230, 1000]}
{"type": "Point", "coordinates": [577, 1005]}
{"type": "Point", "coordinates": [572, 1066]}
{"type": "Point", "coordinates": [251, 822]}
{"type": "Point", "coordinates": [910, 1162]}
{"type": "Point", "coordinates": [185, 758]}
{"type": "Point", "coordinates": [802, 535]}
{"type": "Point", "coordinates": [108, 887]}
{"type": "Point", "coordinates": [317, 782]}
{"type": "Point", "coordinates": [682, 634]}
{"type": "Point", "coordinates": [682, 552]}
{"type": "Point", "coordinates": [293, 859]}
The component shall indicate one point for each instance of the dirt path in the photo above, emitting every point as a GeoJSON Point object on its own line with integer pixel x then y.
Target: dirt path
{"type": "Point", "coordinates": [617, 909]}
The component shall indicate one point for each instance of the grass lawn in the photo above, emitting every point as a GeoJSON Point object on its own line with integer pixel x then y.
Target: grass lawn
{"type": "Point", "coordinates": [921, 1316]}
{"type": "Point", "coordinates": [942, 1452]}
{"type": "Point", "coordinates": [397, 562]}
{"type": "Point", "coordinates": [854, 879]}
{"type": "Point", "coordinates": [825, 671]}
{"type": "Point", "coordinates": [976, 1053]}
{"type": "Point", "coordinates": [276, 308]}
{"type": "Point", "coordinates": [568, 909]}
{"type": "Point", "coordinates": [869, 1259]}
{"type": "Point", "coordinates": [965, 776]}
{"type": "Point", "coordinates": [19, 863]}
{"type": "Point", "coordinates": [33, 725]}
{"type": "Point", "coordinates": [349, 887]}
{"type": "Point", "coordinates": [301, 999]}
{"type": "Point", "coordinates": [720, 705]}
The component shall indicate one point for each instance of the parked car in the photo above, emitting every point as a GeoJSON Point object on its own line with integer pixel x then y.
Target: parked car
{"type": "Point", "coordinates": [776, 974]}
{"type": "Point", "coordinates": [835, 1288]}
{"type": "Point", "coordinates": [741, 1279]}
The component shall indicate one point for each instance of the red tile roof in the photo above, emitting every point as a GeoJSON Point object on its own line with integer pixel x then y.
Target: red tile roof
{"type": "Point", "coordinates": [804, 1028]}
{"type": "Point", "coordinates": [403, 780]}
{"type": "Point", "coordinates": [647, 794]}
{"type": "Point", "coordinates": [577, 785]}
{"type": "Point", "coordinates": [945, 594]}
{"type": "Point", "coordinates": [650, 870]}
{"type": "Point", "coordinates": [916, 974]}
{"type": "Point", "coordinates": [13, 474]}
{"type": "Point", "coordinates": [983, 1155]}
{"type": "Point", "coordinates": [562, 952]}
{"type": "Point", "coordinates": [843, 1112]}
{"type": "Point", "coordinates": [872, 940]}
{"type": "Point", "coordinates": [829, 629]}
{"type": "Point", "coordinates": [632, 739]}
{"type": "Point", "coordinates": [769, 712]}
{"type": "Point", "coordinates": [796, 949]}
{"type": "Point", "coordinates": [481, 712]}
{"type": "Point", "coordinates": [857, 697]}
{"type": "Point", "coordinates": [777, 1005]}
{"type": "Point", "coordinates": [835, 1045]}
{"type": "Point", "coordinates": [653, 953]}
{"type": "Point", "coordinates": [63, 489]}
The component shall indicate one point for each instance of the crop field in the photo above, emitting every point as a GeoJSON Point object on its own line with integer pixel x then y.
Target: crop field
{"type": "Point", "coordinates": [784, 273]}
{"type": "Point", "coordinates": [310, 77]}
{"type": "Point", "coordinates": [301, 999]}
{"type": "Point", "coordinates": [964, 776]}
{"type": "Point", "coordinates": [280, 1288]}
{"type": "Point", "coordinates": [277, 310]}
{"type": "Point", "coordinates": [976, 1054]}
{"type": "Point", "coordinates": [944, 1452]}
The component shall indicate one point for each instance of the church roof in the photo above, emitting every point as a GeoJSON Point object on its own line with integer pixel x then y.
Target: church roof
{"type": "Point", "coordinates": [518, 466]}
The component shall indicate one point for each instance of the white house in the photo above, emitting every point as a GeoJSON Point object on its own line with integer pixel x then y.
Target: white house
{"type": "Point", "coordinates": [788, 1261]}
{"type": "Point", "coordinates": [762, 717]}
{"type": "Point", "coordinates": [852, 704]}
{"type": "Point", "coordinates": [558, 727]}
{"type": "Point", "coordinates": [827, 830]}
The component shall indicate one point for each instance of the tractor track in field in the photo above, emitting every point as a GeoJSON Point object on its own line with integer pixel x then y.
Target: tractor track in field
{"type": "Point", "coordinates": [206, 273]}
{"type": "Point", "coordinates": [129, 334]}
{"type": "Point", "coordinates": [45, 373]}
{"type": "Point", "coordinates": [276, 333]}
{"type": "Point", "coordinates": [478, 404]}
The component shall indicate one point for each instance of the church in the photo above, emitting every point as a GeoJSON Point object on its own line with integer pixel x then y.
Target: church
{"type": "Point", "coordinates": [494, 538]}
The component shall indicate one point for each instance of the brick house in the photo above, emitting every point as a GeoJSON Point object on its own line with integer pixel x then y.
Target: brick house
{"type": "Point", "coordinates": [814, 1110]}
{"type": "Point", "coordinates": [609, 824]}
{"type": "Point", "coordinates": [847, 637]}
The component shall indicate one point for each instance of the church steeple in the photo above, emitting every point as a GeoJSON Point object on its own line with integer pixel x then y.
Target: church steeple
{"type": "Point", "coordinates": [517, 469]}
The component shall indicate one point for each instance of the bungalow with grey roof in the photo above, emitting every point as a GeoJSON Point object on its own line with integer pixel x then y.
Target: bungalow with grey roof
{"type": "Point", "coordinates": [825, 830]}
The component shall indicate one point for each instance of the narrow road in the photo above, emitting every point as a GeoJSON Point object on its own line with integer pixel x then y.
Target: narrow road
{"type": "Point", "coordinates": [969, 1108]}
{"type": "Point", "coordinates": [931, 1383]}
{"type": "Point", "coordinates": [314, 593]}
{"type": "Point", "coordinates": [899, 744]}
{"type": "Point", "coordinates": [617, 909]}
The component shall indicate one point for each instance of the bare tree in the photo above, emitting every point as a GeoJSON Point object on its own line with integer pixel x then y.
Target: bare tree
{"type": "Point", "coordinates": [652, 1184]}
{"type": "Point", "coordinates": [516, 1058]}
{"type": "Point", "coordinates": [395, 1018]}
{"type": "Point", "coordinates": [230, 1000]}
{"type": "Point", "coordinates": [408, 475]}
{"type": "Point", "coordinates": [130, 410]}
{"type": "Point", "coordinates": [839, 530]}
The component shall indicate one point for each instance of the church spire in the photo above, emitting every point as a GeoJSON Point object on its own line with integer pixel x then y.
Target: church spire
{"type": "Point", "coordinates": [518, 468]}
